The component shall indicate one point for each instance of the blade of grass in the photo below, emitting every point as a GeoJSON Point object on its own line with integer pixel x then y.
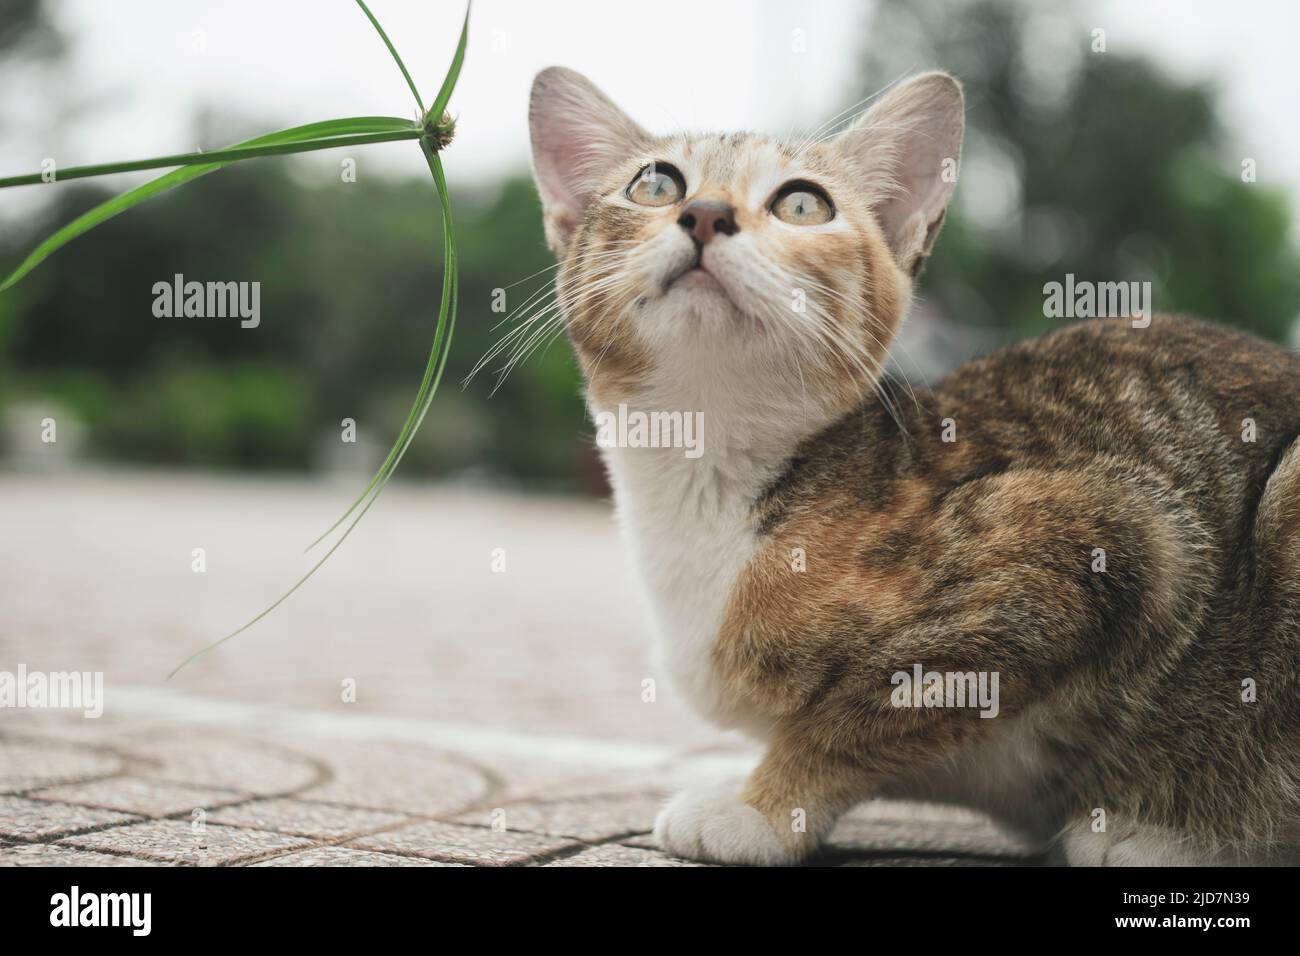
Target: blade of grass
{"type": "Point", "coordinates": [437, 362]}
{"type": "Point", "coordinates": [393, 50]}
{"type": "Point", "coordinates": [329, 132]}
{"type": "Point", "coordinates": [435, 114]}
{"type": "Point", "coordinates": [453, 73]}
{"type": "Point", "coordinates": [229, 154]}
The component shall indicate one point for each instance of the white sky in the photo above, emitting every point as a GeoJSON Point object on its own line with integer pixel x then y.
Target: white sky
{"type": "Point", "coordinates": [136, 76]}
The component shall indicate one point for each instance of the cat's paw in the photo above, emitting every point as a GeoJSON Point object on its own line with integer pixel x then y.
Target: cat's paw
{"type": "Point", "coordinates": [717, 826]}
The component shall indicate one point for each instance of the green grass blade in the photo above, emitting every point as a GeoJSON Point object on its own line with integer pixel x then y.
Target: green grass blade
{"type": "Point", "coordinates": [321, 135]}
{"type": "Point", "coordinates": [453, 72]}
{"type": "Point", "coordinates": [412, 422]}
{"type": "Point", "coordinates": [433, 374]}
{"type": "Point", "coordinates": [428, 384]}
{"type": "Point", "coordinates": [390, 129]}
{"type": "Point", "coordinates": [393, 50]}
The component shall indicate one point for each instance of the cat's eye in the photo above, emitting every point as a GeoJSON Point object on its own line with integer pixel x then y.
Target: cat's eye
{"type": "Point", "coordinates": [803, 204]}
{"type": "Point", "coordinates": [657, 185]}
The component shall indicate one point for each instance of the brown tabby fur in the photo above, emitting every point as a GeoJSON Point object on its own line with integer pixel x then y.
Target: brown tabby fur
{"type": "Point", "coordinates": [977, 555]}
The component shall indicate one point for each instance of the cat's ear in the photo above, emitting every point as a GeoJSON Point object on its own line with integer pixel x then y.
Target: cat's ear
{"type": "Point", "coordinates": [911, 143]}
{"type": "Point", "coordinates": [577, 134]}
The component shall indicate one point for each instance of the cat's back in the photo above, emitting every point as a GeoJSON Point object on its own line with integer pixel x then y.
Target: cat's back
{"type": "Point", "coordinates": [1208, 408]}
{"type": "Point", "coordinates": [1114, 360]}
{"type": "Point", "coordinates": [1200, 409]}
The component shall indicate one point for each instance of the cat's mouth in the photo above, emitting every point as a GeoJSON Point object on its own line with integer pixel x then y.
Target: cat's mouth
{"type": "Point", "coordinates": [695, 276]}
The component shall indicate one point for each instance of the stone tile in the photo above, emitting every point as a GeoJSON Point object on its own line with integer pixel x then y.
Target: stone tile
{"type": "Point", "coordinates": [346, 856]}
{"type": "Point", "coordinates": [175, 841]}
{"type": "Point", "coordinates": [51, 854]}
{"type": "Point", "coordinates": [888, 827]}
{"type": "Point", "coordinates": [229, 763]}
{"type": "Point", "coordinates": [304, 818]}
{"type": "Point", "coordinates": [614, 855]}
{"type": "Point", "coordinates": [108, 731]}
{"type": "Point", "coordinates": [591, 819]}
{"type": "Point", "coordinates": [148, 798]}
{"type": "Point", "coordinates": [643, 841]}
{"type": "Point", "coordinates": [525, 779]}
{"type": "Point", "coordinates": [566, 781]}
{"type": "Point", "coordinates": [460, 844]}
{"type": "Point", "coordinates": [397, 777]}
{"type": "Point", "coordinates": [33, 819]}
{"type": "Point", "coordinates": [27, 764]}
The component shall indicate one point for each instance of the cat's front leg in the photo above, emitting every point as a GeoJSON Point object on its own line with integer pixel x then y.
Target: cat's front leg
{"type": "Point", "coordinates": [779, 816]}
{"type": "Point", "coordinates": [716, 825]}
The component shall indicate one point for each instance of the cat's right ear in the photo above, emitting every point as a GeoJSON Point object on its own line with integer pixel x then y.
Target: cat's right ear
{"type": "Point", "coordinates": [912, 137]}
{"type": "Point", "coordinates": [577, 134]}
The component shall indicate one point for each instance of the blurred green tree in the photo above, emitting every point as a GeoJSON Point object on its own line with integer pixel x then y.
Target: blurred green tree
{"type": "Point", "coordinates": [349, 279]}
{"type": "Point", "coordinates": [1090, 162]}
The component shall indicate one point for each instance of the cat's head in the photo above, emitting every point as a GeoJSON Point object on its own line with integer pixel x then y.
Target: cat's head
{"type": "Point", "coordinates": [737, 256]}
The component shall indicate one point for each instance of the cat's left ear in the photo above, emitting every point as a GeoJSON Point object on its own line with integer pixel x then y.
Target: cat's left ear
{"type": "Point", "coordinates": [910, 145]}
{"type": "Point", "coordinates": [578, 134]}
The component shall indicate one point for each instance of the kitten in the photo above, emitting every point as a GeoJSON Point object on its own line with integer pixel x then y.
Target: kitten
{"type": "Point", "coordinates": [1080, 523]}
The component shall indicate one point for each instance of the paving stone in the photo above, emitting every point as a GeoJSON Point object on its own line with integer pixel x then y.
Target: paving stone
{"type": "Point", "coordinates": [203, 759]}
{"type": "Point", "coordinates": [176, 841]}
{"type": "Point", "coordinates": [25, 765]}
{"type": "Point", "coordinates": [150, 798]}
{"type": "Point", "coordinates": [591, 818]}
{"type": "Point", "coordinates": [34, 819]}
{"type": "Point", "coordinates": [51, 854]}
{"type": "Point", "coordinates": [703, 766]}
{"type": "Point", "coordinates": [614, 855]}
{"type": "Point", "coordinates": [525, 779]}
{"type": "Point", "coordinates": [398, 777]}
{"type": "Point", "coordinates": [304, 818]}
{"type": "Point", "coordinates": [121, 731]}
{"type": "Point", "coordinates": [346, 856]}
{"type": "Point", "coordinates": [461, 844]}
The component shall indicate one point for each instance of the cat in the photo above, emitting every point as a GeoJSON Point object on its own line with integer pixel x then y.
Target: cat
{"type": "Point", "coordinates": [1102, 526]}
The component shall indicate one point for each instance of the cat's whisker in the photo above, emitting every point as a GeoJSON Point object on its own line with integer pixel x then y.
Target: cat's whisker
{"type": "Point", "coordinates": [547, 324]}
{"type": "Point", "coordinates": [510, 337]}
{"type": "Point", "coordinates": [535, 308]}
{"type": "Point", "coordinates": [577, 258]}
{"type": "Point", "coordinates": [857, 109]}
{"type": "Point", "coordinates": [555, 322]}
{"type": "Point", "coordinates": [885, 347]}
{"type": "Point", "coordinates": [619, 318]}
{"type": "Point", "coordinates": [846, 350]}
{"type": "Point", "coordinates": [548, 287]}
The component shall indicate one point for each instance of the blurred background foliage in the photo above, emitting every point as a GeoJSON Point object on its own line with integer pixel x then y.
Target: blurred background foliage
{"type": "Point", "coordinates": [1091, 163]}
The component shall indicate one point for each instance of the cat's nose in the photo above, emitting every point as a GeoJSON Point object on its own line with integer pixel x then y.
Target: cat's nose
{"type": "Point", "coordinates": [706, 218]}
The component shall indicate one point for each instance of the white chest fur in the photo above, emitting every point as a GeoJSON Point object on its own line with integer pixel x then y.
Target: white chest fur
{"type": "Point", "coordinates": [690, 539]}
{"type": "Point", "coordinates": [691, 528]}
